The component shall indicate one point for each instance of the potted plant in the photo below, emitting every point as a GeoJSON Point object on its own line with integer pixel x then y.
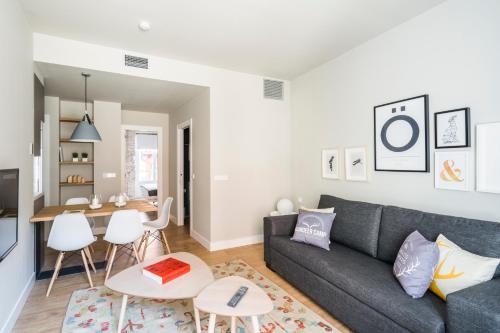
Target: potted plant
{"type": "Point", "coordinates": [75, 157]}
{"type": "Point", "coordinates": [85, 157]}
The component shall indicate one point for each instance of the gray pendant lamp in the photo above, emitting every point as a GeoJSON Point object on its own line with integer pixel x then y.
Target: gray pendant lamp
{"type": "Point", "coordinates": [85, 131]}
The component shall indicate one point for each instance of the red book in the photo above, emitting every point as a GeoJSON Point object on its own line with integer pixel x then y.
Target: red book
{"type": "Point", "coordinates": [166, 270]}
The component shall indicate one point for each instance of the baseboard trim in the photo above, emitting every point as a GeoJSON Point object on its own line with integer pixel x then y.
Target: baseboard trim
{"type": "Point", "coordinates": [200, 239]}
{"type": "Point", "coordinates": [18, 307]}
{"type": "Point", "coordinates": [227, 244]}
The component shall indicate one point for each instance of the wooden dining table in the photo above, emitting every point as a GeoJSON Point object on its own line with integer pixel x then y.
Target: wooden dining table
{"type": "Point", "coordinates": [49, 213]}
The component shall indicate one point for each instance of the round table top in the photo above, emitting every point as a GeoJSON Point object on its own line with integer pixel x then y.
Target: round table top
{"type": "Point", "coordinates": [214, 298]}
{"type": "Point", "coordinates": [131, 281]}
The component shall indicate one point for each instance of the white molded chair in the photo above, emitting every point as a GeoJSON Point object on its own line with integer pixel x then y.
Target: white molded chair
{"type": "Point", "coordinates": [156, 228]}
{"type": "Point", "coordinates": [124, 228]}
{"type": "Point", "coordinates": [70, 232]}
{"type": "Point", "coordinates": [77, 201]}
{"type": "Point", "coordinates": [112, 198]}
{"type": "Point", "coordinates": [81, 201]}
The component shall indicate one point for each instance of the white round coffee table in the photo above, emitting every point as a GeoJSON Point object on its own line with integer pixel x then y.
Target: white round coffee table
{"type": "Point", "coordinates": [214, 298]}
{"type": "Point", "coordinates": [131, 282]}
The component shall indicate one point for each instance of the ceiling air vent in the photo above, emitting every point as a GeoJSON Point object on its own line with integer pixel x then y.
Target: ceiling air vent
{"type": "Point", "coordinates": [138, 62]}
{"type": "Point", "coordinates": [273, 89]}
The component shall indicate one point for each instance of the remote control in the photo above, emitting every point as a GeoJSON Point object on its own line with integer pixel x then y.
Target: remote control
{"type": "Point", "coordinates": [237, 297]}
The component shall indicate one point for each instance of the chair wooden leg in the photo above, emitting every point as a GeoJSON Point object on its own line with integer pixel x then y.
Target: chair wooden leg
{"type": "Point", "coordinates": [110, 263]}
{"type": "Point", "coordinates": [107, 252]}
{"type": "Point", "coordinates": [165, 240]}
{"type": "Point", "coordinates": [91, 262]}
{"type": "Point", "coordinates": [142, 241]}
{"type": "Point", "coordinates": [136, 253]}
{"type": "Point", "coordinates": [146, 239]}
{"type": "Point", "coordinates": [56, 272]}
{"type": "Point", "coordinates": [84, 257]}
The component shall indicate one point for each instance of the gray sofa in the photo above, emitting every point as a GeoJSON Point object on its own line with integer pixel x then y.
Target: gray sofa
{"type": "Point", "coordinates": [354, 280]}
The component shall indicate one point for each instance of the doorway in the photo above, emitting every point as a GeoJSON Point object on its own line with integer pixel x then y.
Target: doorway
{"type": "Point", "coordinates": [185, 175]}
{"type": "Point", "coordinates": [142, 162]}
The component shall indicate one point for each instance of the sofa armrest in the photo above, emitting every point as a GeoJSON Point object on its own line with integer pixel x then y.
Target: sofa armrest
{"type": "Point", "coordinates": [282, 225]}
{"type": "Point", "coordinates": [475, 309]}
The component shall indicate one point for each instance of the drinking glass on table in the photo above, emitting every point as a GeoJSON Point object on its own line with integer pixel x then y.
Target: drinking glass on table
{"type": "Point", "coordinates": [95, 200]}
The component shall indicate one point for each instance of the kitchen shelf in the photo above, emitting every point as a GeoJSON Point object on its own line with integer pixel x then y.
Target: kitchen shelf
{"type": "Point", "coordinates": [70, 120]}
{"type": "Point", "coordinates": [76, 163]}
{"type": "Point", "coordinates": [76, 184]}
{"type": "Point", "coordinates": [69, 141]}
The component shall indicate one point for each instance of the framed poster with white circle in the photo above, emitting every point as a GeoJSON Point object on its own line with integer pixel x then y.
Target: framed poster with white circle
{"type": "Point", "coordinates": [355, 164]}
{"type": "Point", "coordinates": [451, 171]}
{"type": "Point", "coordinates": [330, 163]}
{"type": "Point", "coordinates": [401, 135]}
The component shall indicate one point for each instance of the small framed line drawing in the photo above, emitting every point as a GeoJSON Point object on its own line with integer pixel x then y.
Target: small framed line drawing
{"type": "Point", "coordinates": [452, 128]}
{"type": "Point", "coordinates": [330, 163]}
{"type": "Point", "coordinates": [356, 164]}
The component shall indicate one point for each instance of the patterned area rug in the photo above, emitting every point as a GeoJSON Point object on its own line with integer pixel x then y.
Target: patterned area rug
{"type": "Point", "coordinates": [96, 310]}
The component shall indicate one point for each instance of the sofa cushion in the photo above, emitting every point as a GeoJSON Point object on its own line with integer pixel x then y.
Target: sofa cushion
{"type": "Point", "coordinates": [476, 236]}
{"type": "Point", "coordinates": [356, 224]}
{"type": "Point", "coordinates": [369, 280]}
{"type": "Point", "coordinates": [314, 228]}
{"type": "Point", "coordinates": [415, 264]}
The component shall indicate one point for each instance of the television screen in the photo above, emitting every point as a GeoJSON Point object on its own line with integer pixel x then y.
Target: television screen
{"type": "Point", "coordinates": [9, 189]}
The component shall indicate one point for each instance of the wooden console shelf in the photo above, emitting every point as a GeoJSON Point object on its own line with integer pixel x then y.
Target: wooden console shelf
{"type": "Point", "coordinates": [76, 184]}
{"type": "Point", "coordinates": [76, 163]}
{"type": "Point", "coordinates": [69, 141]}
{"type": "Point", "coordinates": [70, 120]}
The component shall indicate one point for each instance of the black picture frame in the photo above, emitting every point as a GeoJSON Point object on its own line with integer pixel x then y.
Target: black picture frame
{"type": "Point", "coordinates": [426, 168]}
{"type": "Point", "coordinates": [467, 126]}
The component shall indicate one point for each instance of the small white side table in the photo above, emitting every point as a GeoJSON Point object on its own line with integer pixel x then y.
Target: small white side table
{"type": "Point", "coordinates": [131, 282]}
{"type": "Point", "coordinates": [213, 299]}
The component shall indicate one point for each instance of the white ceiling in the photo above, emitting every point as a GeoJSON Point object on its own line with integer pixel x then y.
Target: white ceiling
{"type": "Point", "coordinates": [135, 93]}
{"type": "Point", "coordinates": [277, 38]}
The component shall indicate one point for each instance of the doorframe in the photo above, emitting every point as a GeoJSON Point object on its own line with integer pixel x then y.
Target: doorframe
{"type": "Point", "coordinates": [180, 168]}
{"type": "Point", "coordinates": [159, 163]}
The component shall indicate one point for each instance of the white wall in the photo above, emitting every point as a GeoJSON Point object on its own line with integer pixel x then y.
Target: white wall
{"type": "Point", "coordinates": [198, 110]}
{"type": "Point", "coordinates": [451, 52]}
{"type": "Point", "coordinates": [51, 173]}
{"type": "Point", "coordinates": [141, 118]}
{"type": "Point", "coordinates": [16, 133]}
{"type": "Point", "coordinates": [249, 135]}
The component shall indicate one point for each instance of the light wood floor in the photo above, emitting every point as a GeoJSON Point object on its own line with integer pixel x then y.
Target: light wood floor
{"type": "Point", "coordinates": [42, 314]}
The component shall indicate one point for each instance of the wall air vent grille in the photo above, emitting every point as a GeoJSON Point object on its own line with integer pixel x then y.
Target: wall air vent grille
{"type": "Point", "coordinates": [273, 89]}
{"type": "Point", "coordinates": [138, 62]}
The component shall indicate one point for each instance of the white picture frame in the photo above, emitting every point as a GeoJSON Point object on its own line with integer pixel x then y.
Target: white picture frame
{"type": "Point", "coordinates": [452, 170]}
{"type": "Point", "coordinates": [488, 157]}
{"type": "Point", "coordinates": [356, 164]}
{"type": "Point", "coordinates": [330, 162]}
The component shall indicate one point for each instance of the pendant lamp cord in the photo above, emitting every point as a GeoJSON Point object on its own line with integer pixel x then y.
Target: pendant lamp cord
{"type": "Point", "coordinates": [86, 116]}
